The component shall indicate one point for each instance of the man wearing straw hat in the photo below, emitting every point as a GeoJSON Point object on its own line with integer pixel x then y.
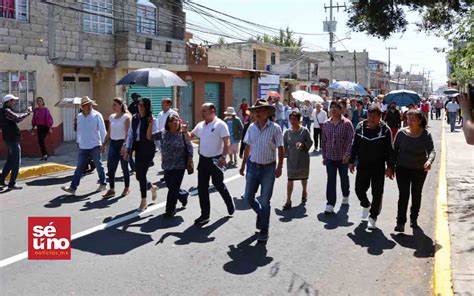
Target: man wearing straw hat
{"type": "Point", "coordinates": [263, 138]}
{"type": "Point", "coordinates": [235, 129]}
{"type": "Point", "coordinates": [91, 134]}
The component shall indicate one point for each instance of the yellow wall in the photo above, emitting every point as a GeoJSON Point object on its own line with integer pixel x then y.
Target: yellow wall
{"type": "Point", "coordinates": [48, 80]}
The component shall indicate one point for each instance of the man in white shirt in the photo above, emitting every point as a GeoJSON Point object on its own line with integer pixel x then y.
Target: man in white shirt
{"type": "Point", "coordinates": [162, 117]}
{"type": "Point", "coordinates": [319, 118]}
{"type": "Point", "coordinates": [214, 142]}
{"type": "Point", "coordinates": [91, 135]}
{"type": "Point", "coordinates": [452, 108]}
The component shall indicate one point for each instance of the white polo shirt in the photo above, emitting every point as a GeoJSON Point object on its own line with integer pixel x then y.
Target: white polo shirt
{"type": "Point", "coordinates": [210, 137]}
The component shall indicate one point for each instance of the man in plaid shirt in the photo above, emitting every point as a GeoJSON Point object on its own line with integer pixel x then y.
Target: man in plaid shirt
{"type": "Point", "coordinates": [338, 134]}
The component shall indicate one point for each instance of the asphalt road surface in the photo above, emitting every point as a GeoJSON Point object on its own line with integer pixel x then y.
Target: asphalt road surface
{"type": "Point", "coordinates": [308, 253]}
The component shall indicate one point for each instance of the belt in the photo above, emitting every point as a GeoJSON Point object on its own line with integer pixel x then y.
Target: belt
{"type": "Point", "coordinates": [212, 157]}
{"type": "Point", "coordinates": [261, 166]}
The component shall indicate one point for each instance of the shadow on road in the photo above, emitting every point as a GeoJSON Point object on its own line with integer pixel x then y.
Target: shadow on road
{"type": "Point", "coordinates": [422, 244]}
{"type": "Point", "coordinates": [158, 222]}
{"type": "Point", "coordinates": [195, 234]}
{"type": "Point", "coordinates": [333, 221]}
{"type": "Point", "coordinates": [99, 204]}
{"type": "Point", "coordinates": [298, 212]}
{"type": "Point", "coordinates": [246, 258]}
{"type": "Point", "coordinates": [111, 241]}
{"type": "Point", "coordinates": [67, 199]}
{"type": "Point", "coordinates": [50, 181]}
{"type": "Point", "coordinates": [375, 241]}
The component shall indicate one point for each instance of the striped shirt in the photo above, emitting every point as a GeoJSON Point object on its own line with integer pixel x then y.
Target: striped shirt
{"type": "Point", "coordinates": [337, 139]}
{"type": "Point", "coordinates": [264, 142]}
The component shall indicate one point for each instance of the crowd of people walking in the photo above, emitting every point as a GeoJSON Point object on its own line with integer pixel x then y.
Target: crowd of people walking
{"type": "Point", "coordinates": [351, 135]}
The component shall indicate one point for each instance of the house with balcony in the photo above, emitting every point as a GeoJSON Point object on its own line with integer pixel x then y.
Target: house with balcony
{"type": "Point", "coordinates": [379, 80]}
{"type": "Point", "coordinates": [66, 48]}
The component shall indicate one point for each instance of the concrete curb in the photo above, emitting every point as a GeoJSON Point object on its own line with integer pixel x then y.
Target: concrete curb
{"type": "Point", "coordinates": [40, 170]}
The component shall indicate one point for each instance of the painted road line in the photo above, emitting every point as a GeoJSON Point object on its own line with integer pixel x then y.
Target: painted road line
{"type": "Point", "coordinates": [152, 208]}
{"type": "Point", "coordinates": [442, 274]}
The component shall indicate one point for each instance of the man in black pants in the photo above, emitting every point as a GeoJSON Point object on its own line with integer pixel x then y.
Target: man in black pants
{"type": "Point", "coordinates": [213, 135]}
{"type": "Point", "coordinates": [372, 150]}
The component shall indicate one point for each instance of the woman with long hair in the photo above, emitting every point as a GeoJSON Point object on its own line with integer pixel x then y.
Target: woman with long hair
{"type": "Point", "coordinates": [140, 138]}
{"type": "Point", "coordinates": [119, 123]}
{"type": "Point", "coordinates": [414, 155]}
{"type": "Point", "coordinates": [176, 153]}
{"type": "Point", "coordinates": [43, 121]}
{"type": "Point", "coordinates": [297, 142]}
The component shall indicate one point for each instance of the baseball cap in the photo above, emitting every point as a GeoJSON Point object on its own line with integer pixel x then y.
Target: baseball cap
{"type": "Point", "coordinates": [8, 98]}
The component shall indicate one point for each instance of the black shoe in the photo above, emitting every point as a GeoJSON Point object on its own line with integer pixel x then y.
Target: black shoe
{"type": "Point", "coordinates": [262, 236]}
{"type": "Point", "coordinates": [231, 209]}
{"type": "Point", "coordinates": [184, 201]}
{"type": "Point", "coordinates": [2, 184]}
{"type": "Point", "coordinates": [400, 228]}
{"type": "Point", "coordinates": [201, 220]}
{"type": "Point", "coordinates": [170, 214]}
{"type": "Point", "coordinates": [414, 225]}
{"type": "Point", "coordinates": [14, 187]}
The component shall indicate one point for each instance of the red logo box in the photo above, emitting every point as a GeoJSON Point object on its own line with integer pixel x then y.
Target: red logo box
{"type": "Point", "coordinates": [49, 238]}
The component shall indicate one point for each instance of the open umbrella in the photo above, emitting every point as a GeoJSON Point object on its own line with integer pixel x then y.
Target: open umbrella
{"type": "Point", "coordinates": [68, 102]}
{"type": "Point", "coordinates": [348, 87]}
{"type": "Point", "coordinates": [302, 96]}
{"type": "Point", "coordinates": [152, 77]}
{"type": "Point", "coordinates": [273, 94]}
{"type": "Point", "coordinates": [402, 97]}
{"type": "Point", "coordinates": [450, 91]}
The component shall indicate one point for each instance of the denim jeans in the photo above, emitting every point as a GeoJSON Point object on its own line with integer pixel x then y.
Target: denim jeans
{"type": "Point", "coordinates": [264, 177]}
{"type": "Point", "coordinates": [332, 166]}
{"type": "Point", "coordinates": [307, 122]}
{"type": "Point", "coordinates": [83, 158]}
{"type": "Point", "coordinates": [282, 123]}
{"type": "Point", "coordinates": [452, 119]}
{"type": "Point", "coordinates": [13, 163]}
{"type": "Point", "coordinates": [113, 160]}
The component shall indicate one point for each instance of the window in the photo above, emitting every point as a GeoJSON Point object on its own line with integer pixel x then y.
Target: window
{"type": "Point", "coordinates": [273, 59]}
{"type": "Point", "coordinates": [148, 44]}
{"type": "Point", "coordinates": [146, 17]}
{"type": "Point", "coordinates": [168, 46]}
{"type": "Point", "coordinates": [14, 9]}
{"type": "Point", "coordinates": [21, 84]}
{"type": "Point", "coordinates": [254, 60]}
{"type": "Point", "coordinates": [100, 18]}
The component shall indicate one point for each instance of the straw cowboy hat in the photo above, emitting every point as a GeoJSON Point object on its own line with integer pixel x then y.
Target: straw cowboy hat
{"type": "Point", "coordinates": [86, 100]}
{"type": "Point", "coordinates": [262, 104]}
{"type": "Point", "coordinates": [230, 111]}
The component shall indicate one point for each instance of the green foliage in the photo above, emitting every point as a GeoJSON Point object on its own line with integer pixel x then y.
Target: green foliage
{"type": "Point", "coordinates": [286, 38]}
{"type": "Point", "coordinates": [221, 40]}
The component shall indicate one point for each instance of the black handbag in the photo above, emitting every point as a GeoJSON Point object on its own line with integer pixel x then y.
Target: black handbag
{"type": "Point", "coordinates": [187, 158]}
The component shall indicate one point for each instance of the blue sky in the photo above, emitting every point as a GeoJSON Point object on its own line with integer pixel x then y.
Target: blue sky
{"type": "Point", "coordinates": [413, 47]}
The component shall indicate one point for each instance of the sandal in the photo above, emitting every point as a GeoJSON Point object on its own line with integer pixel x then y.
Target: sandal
{"type": "Point", "coordinates": [110, 193]}
{"type": "Point", "coordinates": [304, 199]}
{"type": "Point", "coordinates": [125, 192]}
{"type": "Point", "coordinates": [143, 206]}
{"type": "Point", "coordinates": [287, 206]}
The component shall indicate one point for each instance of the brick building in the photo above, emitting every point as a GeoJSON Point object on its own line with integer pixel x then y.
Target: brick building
{"type": "Point", "coordinates": [66, 48]}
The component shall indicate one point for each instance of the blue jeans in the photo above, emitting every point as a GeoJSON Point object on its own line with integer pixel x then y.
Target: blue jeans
{"type": "Point", "coordinates": [332, 166]}
{"type": "Point", "coordinates": [265, 177]}
{"type": "Point", "coordinates": [113, 160]}
{"type": "Point", "coordinates": [83, 158]}
{"type": "Point", "coordinates": [452, 119]}
{"type": "Point", "coordinates": [13, 163]}
{"type": "Point", "coordinates": [282, 123]}
{"type": "Point", "coordinates": [307, 122]}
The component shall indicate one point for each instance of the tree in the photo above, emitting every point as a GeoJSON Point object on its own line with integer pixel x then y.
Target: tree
{"type": "Point", "coordinates": [285, 38]}
{"type": "Point", "coordinates": [221, 40]}
{"type": "Point", "coordinates": [384, 18]}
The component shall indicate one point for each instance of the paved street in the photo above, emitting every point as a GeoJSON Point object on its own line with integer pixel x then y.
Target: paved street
{"type": "Point", "coordinates": [308, 253]}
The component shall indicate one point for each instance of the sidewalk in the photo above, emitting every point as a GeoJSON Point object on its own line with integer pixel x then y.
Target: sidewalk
{"type": "Point", "coordinates": [460, 178]}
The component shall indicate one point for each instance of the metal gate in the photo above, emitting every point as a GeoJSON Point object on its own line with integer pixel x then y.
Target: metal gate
{"type": "Point", "coordinates": [73, 86]}
{"type": "Point", "coordinates": [155, 94]}
{"type": "Point", "coordinates": [212, 95]}
{"type": "Point", "coordinates": [242, 89]}
{"type": "Point", "coordinates": [186, 104]}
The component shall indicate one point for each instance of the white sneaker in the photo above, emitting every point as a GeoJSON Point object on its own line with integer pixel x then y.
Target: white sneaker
{"type": "Point", "coordinates": [371, 225]}
{"type": "Point", "coordinates": [365, 213]}
{"type": "Point", "coordinates": [101, 187]}
{"type": "Point", "coordinates": [68, 190]}
{"type": "Point", "coordinates": [329, 209]}
{"type": "Point", "coordinates": [345, 200]}
{"type": "Point", "coordinates": [154, 192]}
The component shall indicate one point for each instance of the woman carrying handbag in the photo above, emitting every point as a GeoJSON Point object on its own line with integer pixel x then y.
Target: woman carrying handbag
{"type": "Point", "coordinates": [176, 157]}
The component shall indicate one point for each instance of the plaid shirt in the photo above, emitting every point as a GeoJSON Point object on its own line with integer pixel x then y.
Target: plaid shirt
{"type": "Point", "coordinates": [337, 139]}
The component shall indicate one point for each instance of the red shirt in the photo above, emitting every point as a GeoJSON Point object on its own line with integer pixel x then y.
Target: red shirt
{"type": "Point", "coordinates": [244, 107]}
{"type": "Point", "coordinates": [337, 139]}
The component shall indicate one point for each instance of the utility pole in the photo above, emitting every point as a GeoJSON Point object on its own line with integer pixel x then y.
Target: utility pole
{"type": "Point", "coordinates": [355, 67]}
{"type": "Point", "coordinates": [389, 75]}
{"type": "Point", "coordinates": [330, 26]}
